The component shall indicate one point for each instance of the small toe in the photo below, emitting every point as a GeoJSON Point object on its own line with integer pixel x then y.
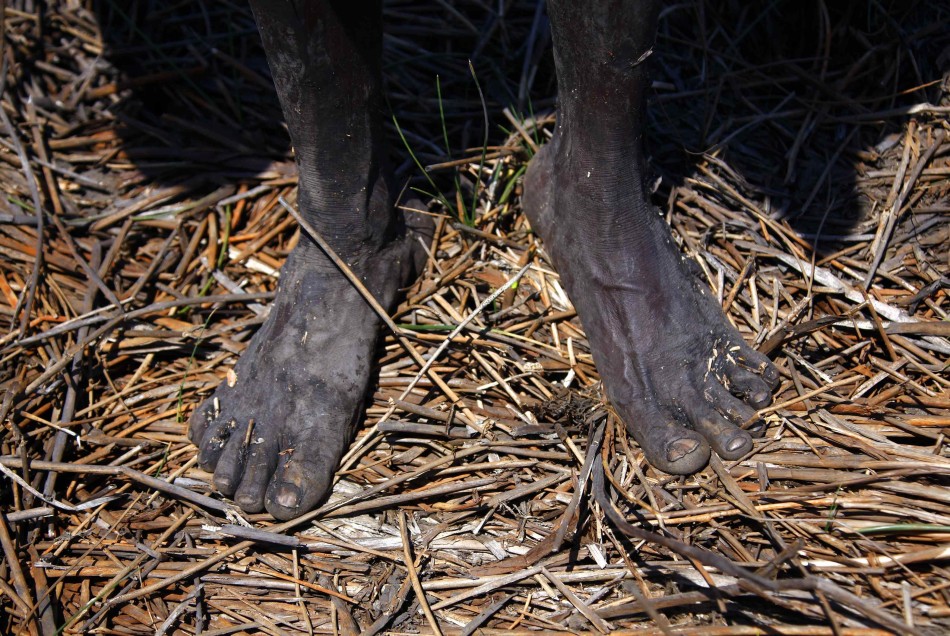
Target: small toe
{"type": "Point", "coordinates": [215, 440]}
{"type": "Point", "coordinates": [262, 456]}
{"type": "Point", "coordinates": [761, 366]}
{"type": "Point", "coordinates": [728, 440]}
{"type": "Point", "coordinates": [749, 386]}
{"type": "Point", "coordinates": [200, 419]}
{"type": "Point", "coordinates": [770, 374]}
{"type": "Point", "coordinates": [229, 469]}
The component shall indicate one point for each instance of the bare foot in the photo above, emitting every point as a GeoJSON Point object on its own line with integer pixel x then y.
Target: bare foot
{"type": "Point", "coordinates": [678, 374]}
{"type": "Point", "coordinates": [275, 437]}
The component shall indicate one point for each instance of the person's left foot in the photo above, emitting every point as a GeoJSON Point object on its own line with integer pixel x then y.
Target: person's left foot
{"type": "Point", "coordinates": [679, 375]}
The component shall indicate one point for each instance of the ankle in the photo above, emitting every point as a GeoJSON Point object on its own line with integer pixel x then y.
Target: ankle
{"type": "Point", "coordinates": [354, 225]}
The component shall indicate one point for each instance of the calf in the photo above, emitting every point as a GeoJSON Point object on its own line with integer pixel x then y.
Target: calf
{"type": "Point", "coordinates": [676, 371]}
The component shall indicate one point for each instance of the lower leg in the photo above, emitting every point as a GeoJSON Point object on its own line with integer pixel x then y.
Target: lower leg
{"type": "Point", "coordinates": [275, 435]}
{"type": "Point", "coordinates": [677, 372]}
{"type": "Point", "coordinates": [325, 57]}
{"type": "Point", "coordinates": [600, 53]}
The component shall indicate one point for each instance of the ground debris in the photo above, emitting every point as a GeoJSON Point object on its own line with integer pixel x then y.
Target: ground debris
{"type": "Point", "coordinates": [803, 162]}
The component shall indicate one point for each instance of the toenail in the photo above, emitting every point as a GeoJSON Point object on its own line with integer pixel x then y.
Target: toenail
{"type": "Point", "coordinates": [288, 496]}
{"type": "Point", "coordinates": [247, 503]}
{"type": "Point", "coordinates": [735, 444]}
{"type": "Point", "coordinates": [681, 448]}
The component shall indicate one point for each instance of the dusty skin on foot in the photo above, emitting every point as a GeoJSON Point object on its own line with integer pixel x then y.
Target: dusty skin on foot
{"type": "Point", "coordinates": [678, 374]}
{"type": "Point", "coordinates": [275, 436]}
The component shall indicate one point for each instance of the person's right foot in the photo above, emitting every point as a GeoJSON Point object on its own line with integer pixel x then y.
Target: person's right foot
{"type": "Point", "coordinates": [679, 375]}
{"type": "Point", "coordinates": [275, 435]}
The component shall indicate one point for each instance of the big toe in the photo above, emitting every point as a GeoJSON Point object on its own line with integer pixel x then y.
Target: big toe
{"type": "Point", "coordinates": [683, 455]}
{"type": "Point", "coordinates": [670, 446]}
{"type": "Point", "coordinates": [299, 486]}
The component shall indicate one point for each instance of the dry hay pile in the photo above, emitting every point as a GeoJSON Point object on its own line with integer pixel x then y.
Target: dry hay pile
{"type": "Point", "coordinates": [804, 166]}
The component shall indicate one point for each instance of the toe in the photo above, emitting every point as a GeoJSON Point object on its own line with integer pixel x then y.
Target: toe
{"type": "Point", "coordinates": [770, 374]}
{"type": "Point", "coordinates": [229, 466]}
{"type": "Point", "coordinates": [300, 485]}
{"type": "Point", "coordinates": [215, 439]}
{"type": "Point", "coordinates": [760, 365]}
{"type": "Point", "coordinates": [262, 454]}
{"type": "Point", "coordinates": [669, 445]}
{"type": "Point", "coordinates": [201, 418]}
{"type": "Point", "coordinates": [727, 439]}
{"type": "Point", "coordinates": [749, 386]}
{"type": "Point", "coordinates": [735, 410]}
{"type": "Point", "coordinates": [684, 453]}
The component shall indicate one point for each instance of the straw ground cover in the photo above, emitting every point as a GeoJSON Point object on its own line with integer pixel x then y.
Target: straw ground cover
{"type": "Point", "coordinates": [801, 158]}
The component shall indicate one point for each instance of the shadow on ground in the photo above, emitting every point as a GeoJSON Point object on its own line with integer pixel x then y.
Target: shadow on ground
{"type": "Point", "coordinates": [819, 85]}
{"type": "Point", "coordinates": [736, 85]}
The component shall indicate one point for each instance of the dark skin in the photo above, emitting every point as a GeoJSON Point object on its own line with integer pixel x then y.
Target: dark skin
{"type": "Point", "coordinates": [678, 374]}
